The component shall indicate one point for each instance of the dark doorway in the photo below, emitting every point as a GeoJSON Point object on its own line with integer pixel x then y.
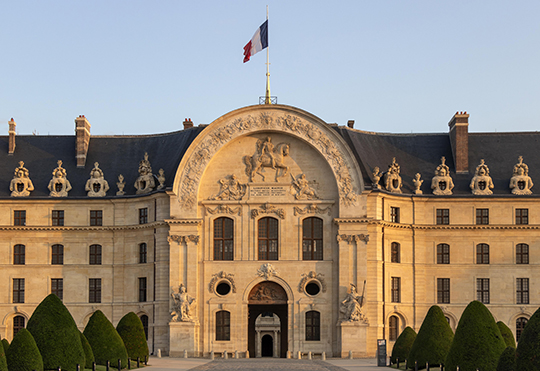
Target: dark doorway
{"type": "Point", "coordinates": [267, 346]}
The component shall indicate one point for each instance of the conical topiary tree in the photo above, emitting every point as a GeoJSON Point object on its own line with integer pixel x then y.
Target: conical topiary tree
{"type": "Point", "coordinates": [506, 334]}
{"type": "Point", "coordinates": [88, 353]}
{"type": "Point", "coordinates": [478, 342]}
{"type": "Point", "coordinates": [507, 360]}
{"type": "Point", "coordinates": [23, 353]}
{"type": "Point", "coordinates": [433, 340]}
{"type": "Point", "coordinates": [403, 345]}
{"type": "Point", "coordinates": [527, 358]}
{"type": "Point", "coordinates": [131, 330]}
{"type": "Point", "coordinates": [5, 344]}
{"type": "Point", "coordinates": [3, 361]}
{"type": "Point", "coordinates": [106, 344]}
{"type": "Point", "coordinates": [56, 335]}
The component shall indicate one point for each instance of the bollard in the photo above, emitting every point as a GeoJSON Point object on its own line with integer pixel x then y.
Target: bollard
{"type": "Point", "coordinates": [299, 355]}
{"type": "Point", "coordinates": [59, 369]}
{"type": "Point", "coordinates": [93, 366]}
{"type": "Point", "coordinates": [247, 353]}
{"type": "Point", "coordinates": [119, 365]}
{"type": "Point", "coordinates": [309, 355]}
{"type": "Point", "coordinates": [78, 367]}
{"type": "Point", "coordinates": [129, 363]}
{"type": "Point", "coordinates": [212, 355]}
{"type": "Point", "coordinates": [397, 363]}
{"type": "Point", "coordinates": [323, 356]}
{"type": "Point", "coordinates": [288, 354]}
{"type": "Point", "coordinates": [415, 365]}
{"type": "Point", "coordinates": [146, 358]}
{"type": "Point", "coordinates": [185, 353]}
{"type": "Point", "coordinates": [457, 368]}
{"type": "Point", "coordinates": [107, 365]}
{"type": "Point", "coordinates": [427, 366]}
{"type": "Point", "coordinates": [350, 354]}
{"type": "Point", "coordinates": [235, 354]}
{"type": "Point", "coordinates": [138, 362]}
{"type": "Point", "coordinates": [225, 355]}
{"type": "Point", "coordinates": [442, 369]}
{"type": "Point", "coordinates": [158, 353]}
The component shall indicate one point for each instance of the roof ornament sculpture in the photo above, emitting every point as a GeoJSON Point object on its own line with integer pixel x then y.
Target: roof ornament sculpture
{"type": "Point", "coordinates": [59, 186]}
{"type": "Point", "coordinates": [120, 184]}
{"type": "Point", "coordinates": [96, 186]}
{"type": "Point", "coordinates": [442, 183]}
{"type": "Point", "coordinates": [481, 183]}
{"type": "Point", "coordinates": [161, 179]}
{"type": "Point", "coordinates": [417, 183]}
{"type": "Point", "coordinates": [392, 179]}
{"type": "Point", "coordinates": [21, 185]}
{"type": "Point", "coordinates": [376, 178]}
{"type": "Point", "coordinates": [145, 182]}
{"type": "Point", "coordinates": [521, 183]}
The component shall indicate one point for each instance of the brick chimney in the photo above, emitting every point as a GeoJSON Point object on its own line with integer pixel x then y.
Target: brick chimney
{"type": "Point", "coordinates": [459, 139]}
{"type": "Point", "coordinates": [188, 124]}
{"type": "Point", "coordinates": [350, 123]}
{"type": "Point", "coordinates": [82, 132]}
{"type": "Point", "coordinates": [12, 133]}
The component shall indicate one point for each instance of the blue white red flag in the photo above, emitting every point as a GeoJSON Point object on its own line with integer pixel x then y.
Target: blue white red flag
{"type": "Point", "coordinates": [258, 42]}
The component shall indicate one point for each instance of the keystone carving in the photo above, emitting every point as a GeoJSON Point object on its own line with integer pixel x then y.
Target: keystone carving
{"type": "Point", "coordinates": [311, 276]}
{"type": "Point", "coordinates": [230, 189]}
{"type": "Point", "coordinates": [301, 189]}
{"type": "Point", "coordinates": [21, 185]}
{"type": "Point", "coordinates": [145, 182]}
{"type": "Point", "coordinates": [481, 183]}
{"type": "Point", "coordinates": [442, 183]}
{"type": "Point", "coordinates": [59, 186]}
{"type": "Point", "coordinates": [266, 156]}
{"type": "Point", "coordinates": [96, 186]}
{"type": "Point", "coordinates": [312, 209]}
{"type": "Point", "coordinates": [521, 183]}
{"type": "Point", "coordinates": [392, 179]}
{"type": "Point", "coordinates": [221, 276]}
{"type": "Point", "coordinates": [267, 209]}
{"type": "Point", "coordinates": [266, 271]}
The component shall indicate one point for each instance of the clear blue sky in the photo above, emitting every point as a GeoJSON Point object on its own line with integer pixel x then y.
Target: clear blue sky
{"type": "Point", "coordinates": [136, 67]}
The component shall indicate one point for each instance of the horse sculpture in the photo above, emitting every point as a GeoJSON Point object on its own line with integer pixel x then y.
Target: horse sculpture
{"type": "Point", "coordinates": [261, 159]}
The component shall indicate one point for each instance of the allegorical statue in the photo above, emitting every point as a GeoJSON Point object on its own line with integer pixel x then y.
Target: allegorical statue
{"type": "Point", "coordinates": [59, 185]}
{"type": "Point", "coordinates": [230, 189]}
{"type": "Point", "coordinates": [481, 183]}
{"type": "Point", "coordinates": [442, 183]}
{"type": "Point", "coordinates": [182, 304]}
{"type": "Point", "coordinates": [521, 183]}
{"type": "Point", "coordinates": [21, 185]}
{"type": "Point", "coordinates": [301, 188]}
{"type": "Point", "coordinates": [96, 186]}
{"type": "Point", "coordinates": [351, 306]}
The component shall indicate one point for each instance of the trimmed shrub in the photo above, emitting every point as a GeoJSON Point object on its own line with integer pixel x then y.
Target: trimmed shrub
{"type": "Point", "coordinates": [507, 361]}
{"type": "Point", "coordinates": [88, 353]}
{"type": "Point", "coordinates": [106, 344]}
{"type": "Point", "coordinates": [507, 334]}
{"type": "Point", "coordinates": [403, 345]}
{"type": "Point", "coordinates": [131, 330]}
{"type": "Point", "coordinates": [23, 353]}
{"type": "Point", "coordinates": [3, 361]}
{"type": "Point", "coordinates": [56, 335]}
{"type": "Point", "coordinates": [529, 342]}
{"type": "Point", "coordinates": [5, 345]}
{"type": "Point", "coordinates": [433, 341]}
{"type": "Point", "coordinates": [478, 342]}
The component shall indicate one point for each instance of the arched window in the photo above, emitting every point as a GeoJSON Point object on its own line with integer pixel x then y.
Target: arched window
{"type": "Point", "coordinates": [482, 253]}
{"type": "Point", "coordinates": [19, 254]}
{"type": "Point", "coordinates": [223, 239]}
{"type": "Point", "coordinates": [522, 253]}
{"type": "Point", "coordinates": [95, 254]}
{"type": "Point", "coordinates": [395, 253]}
{"type": "Point", "coordinates": [143, 252]}
{"type": "Point", "coordinates": [268, 239]}
{"type": "Point", "coordinates": [312, 239]}
{"type": "Point", "coordinates": [223, 325]}
{"type": "Point", "coordinates": [313, 326]}
{"type": "Point", "coordinates": [57, 256]}
{"type": "Point", "coordinates": [393, 327]}
{"type": "Point", "coordinates": [520, 326]}
{"type": "Point", "coordinates": [144, 320]}
{"type": "Point", "coordinates": [18, 323]}
{"type": "Point", "coordinates": [443, 253]}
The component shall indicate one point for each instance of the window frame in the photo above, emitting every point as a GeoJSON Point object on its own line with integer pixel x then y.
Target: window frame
{"type": "Point", "coordinates": [482, 290]}
{"type": "Point", "coordinates": [442, 216]}
{"type": "Point", "coordinates": [521, 322]}
{"type": "Point", "coordinates": [144, 321]}
{"type": "Point", "coordinates": [395, 214]}
{"type": "Point", "coordinates": [143, 289]}
{"type": "Point", "coordinates": [396, 290]}
{"type": "Point", "coordinates": [523, 217]}
{"type": "Point", "coordinates": [222, 240]}
{"type": "Point", "coordinates": [393, 328]}
{"type": "Point", "coordinates": [143, 215]}
{"type": "Point", "coordinates": [95, 254]}
{"type": "Point", "coordinates": [313, 325]}
{"type": "Point", "coordinates": [310, 243]}
{"type": "Point", "coordinates": [482, 216]}
{"type": "Point", "coordinates": [19, 217]}
{"type": "Point", "coordinates": [94, 290]}
{"type": "Point", "coordinates": [18, 290]}
{"type": "Point", "coordinates": [443, 290]}
{"type": "Point", "coordinates": [522, 253]}
{"type": "Point", "coordinates": [395, 252]}
{"type": "Point", "coordinates": [57, 218]}
{"type": "Point", "coordinates": [57, 254]}
{"type": "Point", "coordinates": [482, 253]}
{"type": "Point", "coordinates": [223, 325]}
{"type": "Point", "coordinates": [266, 254]}
{"type": "Point", "coordinates": [443, 253]}
{"type": "Point", "coordinates": [522, 291]}
{"type": "Point", "coordinates": [96, 218]}
{"type": "Point", "coordinates": [19, 254]}
{"type": "Point", "coordinates": [18, 326]}
{"type": "Point", "coordinates": [143, 253]}
{"type": "Point", "coordinates": [57, 287]}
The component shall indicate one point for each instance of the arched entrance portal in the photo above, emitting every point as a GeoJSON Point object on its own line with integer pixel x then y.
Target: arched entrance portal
{"type": "Point", "coordinates": [267, 299]}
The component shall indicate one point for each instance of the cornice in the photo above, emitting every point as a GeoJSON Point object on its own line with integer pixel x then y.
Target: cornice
{"type": "Point", "coordinates": [352, 220]}
{"type": "Point", "coordinates": [184, 221]}
{"type": "Point", "coordinates": [383, 223]}
{"type": "Point", "coordinates": [82, 228]}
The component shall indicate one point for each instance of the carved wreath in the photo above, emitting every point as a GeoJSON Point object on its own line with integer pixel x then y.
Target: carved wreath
{"type": "Point", "coordinates": [222, 276]}
{"type": "Point", "coordinates": [311, 276]}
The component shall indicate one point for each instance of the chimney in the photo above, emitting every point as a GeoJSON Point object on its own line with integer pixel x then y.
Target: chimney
{"type": "Point", "coordinates": [11, 132]}
{"type": "Point", "coordinates": [459, 139]}
{"type": "Point", "coordinates": [350, 123]}
{"type": "Point", "coordinates": [82, 132]}
{"type": "Point", "coordinates": [188, 124]}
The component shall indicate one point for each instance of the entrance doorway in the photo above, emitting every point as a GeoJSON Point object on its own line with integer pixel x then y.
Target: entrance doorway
{"type": "Point", "coordinates": [267, 346]}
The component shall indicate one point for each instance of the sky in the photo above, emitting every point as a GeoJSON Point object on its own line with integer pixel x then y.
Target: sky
{"type": "Point", "coordinates": [142, 67]}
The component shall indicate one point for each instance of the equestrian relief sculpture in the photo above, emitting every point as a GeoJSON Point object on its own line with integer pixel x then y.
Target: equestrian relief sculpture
{"type": "Point", "coordinates": [266, 156]}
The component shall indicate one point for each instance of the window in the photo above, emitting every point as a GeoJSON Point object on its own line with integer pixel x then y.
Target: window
{"type": "Point", "coordinates": [19, 217]}
{"type": "Point", "coordinates": [94, 294]}
{"type": "Point", "coordinates": [57, 257]}
{"type": "Point", "coordinates": [482, 290]}
{"type": "Point", "coordinates": [143, 215]}
{"type": "Point", "coordinates": [223, 239]}
{"type": "Point", "coordinates": [443, 216]}
{"type": "Point", "coordinates": [443, 290]}
{"type": "Point", "coordinates": [18, 290]}
{"type": "Point", "coordinates": [58, 217]}
{"type": "Point", "coordinates": [443, 253]}
{"type": "Point", "coordinates": [95, 254]}
{"type": "Point", "coordinates": [313, 326]}
{"type": "Point", "coordinates": [96, 217]}
{"type": "Point", "coordinates": [143, 253]}
{"type": "Point", "coordinates": [394, 214]}
{"type": "Point", "coordinates": [18, 324]}
{"type": "Point", "coordinates": [144, 320]}
{"type": "Point", "coordinates": [268, 239]}
{"type": "Point", "coordinates": [482, 253]}
{"type": "Point", "coordinates": [395, 256]}
{"type": "Point", "coordinates": [396, 289]}
{"type": "Point", "coordinates": [19, 254]}
{"type": "Point", "coordinates": [142, 289]}
{"type": "Point", "coordinates": [520, 326]}
{"type": "Point", "coordinates": [393, 325]}
{"type": "Point", "coordinates": [522, 291]}
{"type": "Point", "coordinates": [223, 325]}
{"type": "Point", "coordinates": [312, 239]}
{"type": "Point", "coordinates": [522, 253]}
{"type": "Point", "coordinates": [482, 216]}
{"type": "Point", "coordinates": [57, 287]}
{"type": "Point", "coordinates": [522, 216]}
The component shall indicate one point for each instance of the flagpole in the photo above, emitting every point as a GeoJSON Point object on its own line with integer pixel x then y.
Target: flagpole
{"type": "Point", "coordinates": [267, 96]}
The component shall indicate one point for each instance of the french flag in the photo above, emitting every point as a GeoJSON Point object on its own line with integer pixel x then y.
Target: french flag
{"type": "Point", "coordinates": [258, 42]}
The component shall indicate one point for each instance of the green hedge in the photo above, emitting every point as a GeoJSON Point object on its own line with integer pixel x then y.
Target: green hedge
{"type": "Point", "coordinates": [5, 344]}
{"type": "Point", "coordinates": [507, 334]}
{"type": "Point", "coordinates": [527, 351]}
{"type": "Point", "coordinates": [507, 361]}
{"type": "Point", "coordinates": [88, 353]}
{"type": "Point", "coordinates": [3, 360]}
{"type": "Point", "coordinates": [23, 353]}
{"type": "Point", "coordinates": [106, 344]}
{"type": "Point", "coordinates": [403, 345]}
{"type": "Point", "coordinates": [131, 330]}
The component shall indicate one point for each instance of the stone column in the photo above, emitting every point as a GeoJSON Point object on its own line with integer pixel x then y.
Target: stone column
{"type": "Point", "coordinates": [276, 355]}
{"type": "Point", "coordinates": [258, 345]}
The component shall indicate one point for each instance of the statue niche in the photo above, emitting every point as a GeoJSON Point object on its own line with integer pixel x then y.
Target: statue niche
{"type": "Point", "coordinates": [266, 156]}
{"type": "Point", "coordinates": [521, 183]}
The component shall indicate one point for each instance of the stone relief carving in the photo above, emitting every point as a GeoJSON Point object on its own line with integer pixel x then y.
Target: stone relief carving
{"type": "Point", "coordinates": [183, 239]}
{"type": "Point", "coordinates": [442, 183]}
{"type": "Point", "coordinates": [301, 190]}
{"type": "Point", "coordinates": [311, 276]}
{"type": "Point", "coordinates": [221, 276]}
{"type": "Point", "coordinates": [350, 238]}
{"type": "Point", "coordinates": [120, 184]}
{"type": "Point", "coordinates": [267, 270]}
{"type": "Point", "coordinates": [96, 186]}
{"type": "Point", "coordinates": [376, 178]}
{"type": "Point", "coordinates": [59, 185]}
{"type": "Point", "coordinates": [224, 209]}
{"type": "Point", "coordinates": [417, 184]}
{"type": "Point", "coordinates": [161, 179]}
{"type": "Point", "coordinates": [21, 185]}
{"type": "Point", "coordinates": [230, 189]}
{"type": "Point", "coordinates": [183, 305]}
{"type": "Point", "coordinates": [267, 156]}
{"type": "Point", "coordinates": [312, 209]}
{"type": "Point", "coordinates": [481, 183]}
{"type": "Point", "coordinates": [145, 182]}
{"type": "Point", "coordinates": [267, 209]}
{"type": "Point", "coordinates": [351, 307]}
{"type": "Point", "coordinates": [392, 179]}
{"type": "Point", "coordinates": [288, 123]}
{"type": "Point", "coordinates": [521, 183]}
{"type": "Point", "coordinates": [267, 292]}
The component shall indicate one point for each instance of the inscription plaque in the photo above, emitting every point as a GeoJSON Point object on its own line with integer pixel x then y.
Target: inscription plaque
{"type": "Point", "coordinates": [268, 191]}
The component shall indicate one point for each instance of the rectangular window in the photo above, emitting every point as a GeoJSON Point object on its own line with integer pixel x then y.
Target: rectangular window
{"type": "Point", "coordinates": [443, 216]}
{"type": "Point", "coordinates": [223, 325]}
{"type": "Point", "coordinates": [443, 253]}
{"type": "Point", "coordinates": [522, 291]}
{"type": "Point", "coordinates": [142, 289]}
{"type": "Point", "coordinates": [94, 294]}
{"type": "Point", "coordinates": [394, 214]}
{"type": "Point", "coordinates": [58, 217]}
{"type": "Point", "coordinates": [482, 253]}
{"type": "Point", "coordinates": [142, 253]}
{"type": "Point", "coordinates": [313, 326]}
{"type": "Point", "coordinates": [482, 290]}
{"type": "Point", "coordinates": [522, 216]}
{"type": "Point", "coordinates": [19, 255]}
{"type": "Point", "coordinates": [522, 253]}
{"type": "Point", "coordinates": [57, 287]}
{"type": "Point", "coordinates": [95, 255]}
{"type": "Point", "coordinates": [18, 290]}
{"type": "Point", "coordinates": [443, 290]}
{"type": "Point", "coordinates": [19, 217]}
{"type": "Point", "coordinates": [482, 216]}
{"type": "Point", "coordinates": [143, 215]}
{"type": "Point", "coordinates": [396, 289]}
{"type": "Point", "coordinates": [96, 217]}
{"type": "Point", "coordinates": [57, 256]}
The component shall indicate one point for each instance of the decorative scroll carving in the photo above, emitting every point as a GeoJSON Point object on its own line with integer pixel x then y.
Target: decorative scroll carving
{"type": "Point", "coordinates": [96, 186]}
{"type": "Point", "coordinates": [21, 185]}
{"type": "Point", "coordinates": [221, 276]}
{"type": "Point", "coordinates": [376, 178]}
{"type": "Point", "coordinates": [59, 185]}
{"type": "Point", "coordinates": [351, 307]}
{"type": "Point", "coordinates": [442, 183]}
{"type": "Point", "coordinates": [301, 190]}
{"type": "Point", "coordinates": [267, 293]}
{"type": "Point", "coordinates": [120, 184]}
{"type": "Point", "coordinates": [230, 189]}
{"type": "Point", "coordinates": [311, 276]}
{"type": "Point", "coordinates": [183, 239]}
{"type": "Point", "coordinates": [182, 305]}
{"type": "Point", "coordinates": [267, 209]}
{"type": "Point", "coordinates": [161, 179]}
{"type": "Point", "coordinates": [521, 183]}
{"type": "Point", "coordinates": [224, 209]}
{"type": "Point", "coordinates": [145, 182]}
{"type": "Point", "coordinates": [481, 183]}
{"type": "Point", "coordinates": [267, 270]}
{"type": "Point", "coordinates": [392, 179]}
{"type": "Point", "coordinates": [288, 123]}
{"type": "Point", "coordinates": [312, 209]}
{"type": "Point", "coordinates": [417, 184]}
{"type": "Point", "coordinates": [350, 238]}
{"type": "Point", "coordinates": [267, 156]}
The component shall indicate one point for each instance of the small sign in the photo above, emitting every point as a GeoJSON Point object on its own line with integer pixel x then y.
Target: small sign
{"type": "Point", "coordinates": [267, 191]}
{"type": "Point", "coordinates": [381, 352]}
